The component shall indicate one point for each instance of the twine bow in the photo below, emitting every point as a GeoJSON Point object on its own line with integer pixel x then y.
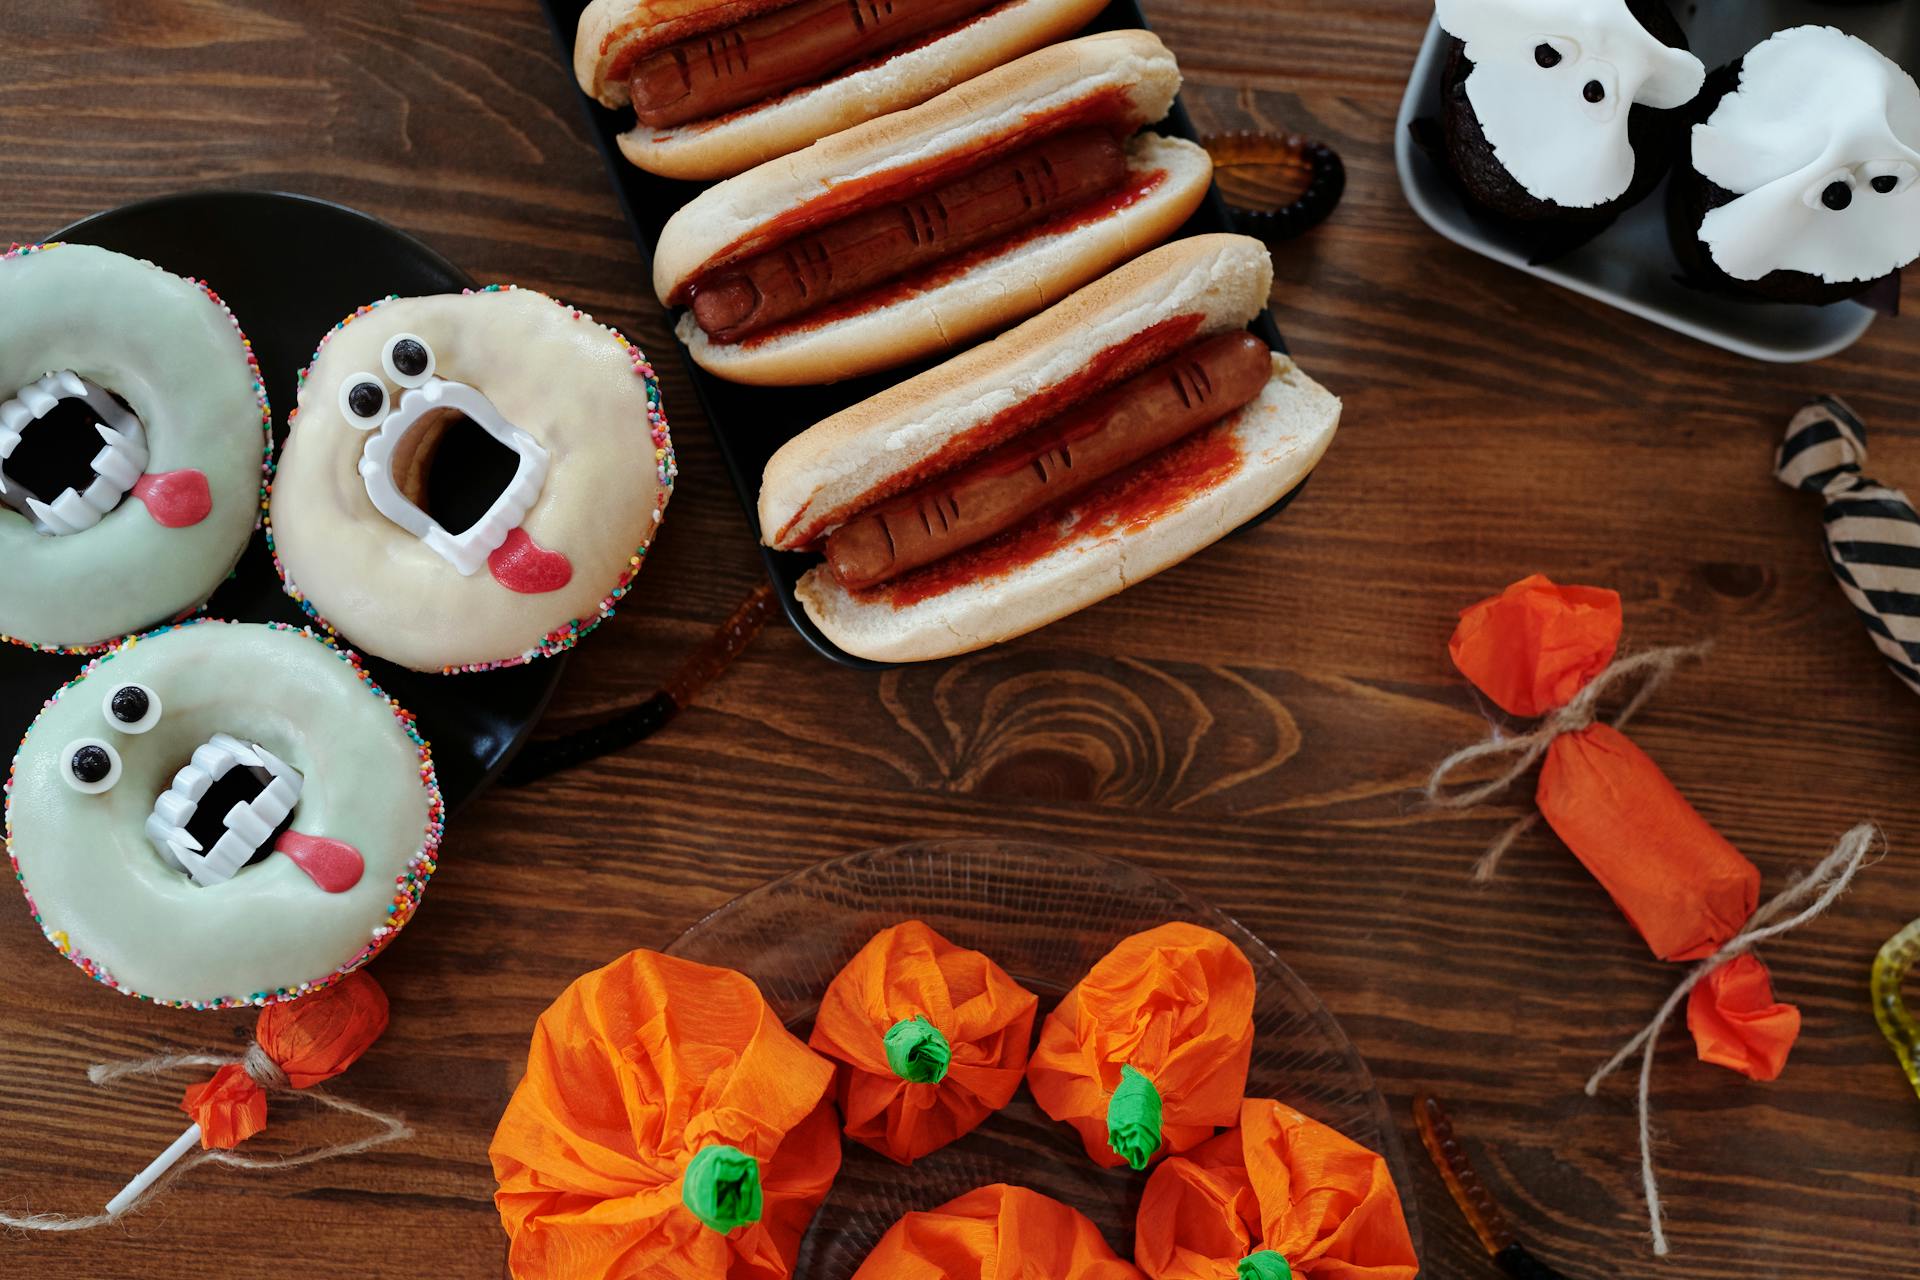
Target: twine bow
{"type": "Point", "coordinates": [1811, 894]}
{"type": "Point", "coordinates": [1523, 751]}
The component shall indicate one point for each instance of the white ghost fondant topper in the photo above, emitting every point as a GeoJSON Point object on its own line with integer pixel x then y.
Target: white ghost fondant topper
{"type": "Point", "coordinates": [1554, 82]}
{"type": "Point", "coordinates": [1820, 144]}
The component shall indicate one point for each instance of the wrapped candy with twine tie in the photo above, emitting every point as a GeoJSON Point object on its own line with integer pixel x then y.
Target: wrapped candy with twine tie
{"type": "Point", "coordinates": [996, 1231]}
{"type": "Point", "coordinates": [1548, 651]}
{"type": "Point", "coordinates": [1873, 534]}
{"type": "Point", "coordinates": [668, 1125]}
{"type": "Point", "coordinates": [1280, 1197]}
{"type": "Point", "coordinates": [932, 1039]}
{"type": "Point", "coordinates": [1149, 1052]}
{"type": "Point", "coordinates": [297, 1045]}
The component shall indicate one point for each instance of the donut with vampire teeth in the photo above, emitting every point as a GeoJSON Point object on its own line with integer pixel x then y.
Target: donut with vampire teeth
{"type": "Point", "coordinates": [222, 813]}
{"type": "Point", "coordinates": [134, 442]}
{"type": "Point", "coordinates": [469, 480]}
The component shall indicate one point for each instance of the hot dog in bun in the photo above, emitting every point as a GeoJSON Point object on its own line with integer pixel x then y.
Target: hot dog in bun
{"type": "Point", "coordinates": [918, 232]}
{"type": "Point", "coordinates": [718, 86]}
{"type": "Point", "coordinates": [1100, 442]}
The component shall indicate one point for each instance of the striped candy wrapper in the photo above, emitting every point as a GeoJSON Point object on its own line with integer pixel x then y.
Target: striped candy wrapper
{"type": "Point", "coordinates": [1873, 534]}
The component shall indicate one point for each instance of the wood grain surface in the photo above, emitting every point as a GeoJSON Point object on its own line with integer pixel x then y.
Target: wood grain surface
{"type": "Point", "coordinates": [1249, 724]}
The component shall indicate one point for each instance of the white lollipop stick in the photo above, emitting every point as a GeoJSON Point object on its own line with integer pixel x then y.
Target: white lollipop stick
{"type": "Point", "coordinates": [151, 1174]}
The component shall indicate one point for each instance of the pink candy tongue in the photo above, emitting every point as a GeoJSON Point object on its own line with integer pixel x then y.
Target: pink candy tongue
{"type": "Point", "coordinates": [334, 865]}
{"type": "Point", "coordinates": [175, 499]}
{"type": "Point", "coordinates": [523, 565]}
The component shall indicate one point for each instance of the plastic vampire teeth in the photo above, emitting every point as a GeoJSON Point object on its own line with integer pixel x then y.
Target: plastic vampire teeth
{"type": "Point", "coordinates": [117, 468]}
{"type": "Point", "coordinates": [249, 825]}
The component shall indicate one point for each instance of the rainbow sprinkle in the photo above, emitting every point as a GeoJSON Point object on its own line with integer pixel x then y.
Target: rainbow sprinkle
{"type": "Point", "coordinates": [266, 450]}
{"type": "Point", "coordinates": [409, 887]}
{"type": "Point", "coordinates": [666, 468]}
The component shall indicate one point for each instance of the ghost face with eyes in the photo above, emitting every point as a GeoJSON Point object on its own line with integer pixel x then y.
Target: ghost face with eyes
{"type": "Point", "coordinates": [469, 480]}
{"type": "Point", "coordinates": [1553, 86]}
{"type": "Point", "coordinates": [218, 810]}
{"type": "Point", "coordinates": [1820, 148]}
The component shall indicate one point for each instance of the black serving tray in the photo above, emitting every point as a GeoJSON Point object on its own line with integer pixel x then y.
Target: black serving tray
{"type": "Point", "coordinates": [290, 267]}
{"type": "Point", "coordinates": [750, 423]}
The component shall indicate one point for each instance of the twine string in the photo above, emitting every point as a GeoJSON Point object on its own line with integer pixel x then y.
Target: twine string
{"type": "Point", "coordinates": [268, 1075]}
{"type": "Point", "coordinates": [1522, 751]}
{"type": "Point", "coordinates": [1811, 895]}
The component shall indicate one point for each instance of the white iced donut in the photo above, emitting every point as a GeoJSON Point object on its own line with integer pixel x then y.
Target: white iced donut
{"type": "Point", "coordinates": [1554, 83]}
{"type": "Point", "coordinates": [551, 425]}
{"type": "Point", "coordinates": [134, 438]}
{"type": "Point", "coordinates": [1820, 145]}
{"type": "Point", "coordinates": [219, 813]}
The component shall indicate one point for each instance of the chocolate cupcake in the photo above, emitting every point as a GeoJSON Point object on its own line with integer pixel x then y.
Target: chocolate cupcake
{"type": "Point", "coordinates": [1801, 180]}
{"type": "Point", "coordinates": [1559, 114]}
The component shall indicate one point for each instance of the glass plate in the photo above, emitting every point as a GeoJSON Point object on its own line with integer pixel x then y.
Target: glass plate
{"type": "Point", "coordinates": [1045, 915]}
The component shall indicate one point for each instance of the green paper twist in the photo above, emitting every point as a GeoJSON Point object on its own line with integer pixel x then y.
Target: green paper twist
{"type": "Point", "coordinates": [917, 1052]}
{"type": "Point", "coordinates": [1133, 1119]}
{"type": "Point", "coordinates": [1265, 1265]}
{"type": "Point", "coordinates": [722, 1187]}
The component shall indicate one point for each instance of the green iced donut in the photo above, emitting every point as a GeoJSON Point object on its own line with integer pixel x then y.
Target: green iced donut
{"type": "Point", "coordinates": [154, 373]}
{"type": "Point", "coordinates": [222, 813]}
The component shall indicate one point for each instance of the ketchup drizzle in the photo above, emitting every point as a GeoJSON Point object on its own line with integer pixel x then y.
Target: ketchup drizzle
{"type": "Point", "coordinates": [1107, 368]}
{"type": "Point", "coordinates": [1133, 500]}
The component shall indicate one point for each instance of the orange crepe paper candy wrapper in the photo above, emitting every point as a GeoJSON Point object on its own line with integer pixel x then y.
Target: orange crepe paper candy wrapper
{"type": "Point", "coordinates": [309, 1040]}
{"type": "Point", "coordinates": [1533, 648]}
{"type": "Point", "coordinates": [668, 1126]}
{"type": "Point", "coordinates": [1736, 1022]}
{"type": "Point", "coordinates": [1535, 645]}
{"type": "Point", "coordinates": [1148, 1054]}
{"type": "Point", "coordinates": [932, 1039]}
{"type": "Point", "coordinates": [995, 1233]}
{"type": "Point", "coordinates": [1684, 887]}
{"type": "Point", "coordinates": [1280, 1195]}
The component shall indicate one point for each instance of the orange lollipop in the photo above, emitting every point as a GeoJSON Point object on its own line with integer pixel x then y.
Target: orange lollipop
{"type": "Point", "coordinates": [307, 1041]}
{"type": "Point", "coordinates": [668, 1126]}
{"type": "Point", "coordinates": [932, 1039]}
{"type": "Point", "coordinates": [1281, 1196]}
{"type": "Point", "coordinates": [995, 1233]}
{"type": "Point", "coordinates": [1148, 1054]}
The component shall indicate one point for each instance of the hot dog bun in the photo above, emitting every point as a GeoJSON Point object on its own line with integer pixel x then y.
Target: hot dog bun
{"type": "Point", "coordinates": [613, 34]}
{"type": "Point", "coordinates": [846, 463]}
{"type": "Point", "coordinates": [1129, 75]}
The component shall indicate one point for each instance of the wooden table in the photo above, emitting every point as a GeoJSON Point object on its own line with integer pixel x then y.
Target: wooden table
{"type": "Point", "coordinates": [1249, 724]}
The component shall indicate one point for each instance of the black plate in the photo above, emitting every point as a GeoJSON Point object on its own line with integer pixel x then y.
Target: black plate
{"type": "Point", "coordinates": [749, 423]}
{"type": "Point", "coordinates": [292, 267]}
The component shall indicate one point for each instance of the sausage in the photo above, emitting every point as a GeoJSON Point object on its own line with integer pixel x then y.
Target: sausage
{"type": "Point", "coordinates": [1052, 464]}
{"type": "Point", "coordinates": [763, 57]}
{"type": "Point", "coordinates": [868, 248]}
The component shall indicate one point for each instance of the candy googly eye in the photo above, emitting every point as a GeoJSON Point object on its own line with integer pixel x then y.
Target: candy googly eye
{"type": "Point", "coordinates": [132, 708]}
{"type": "Point", "coordinates": [1835, 192]}
{"type": "Point", "coordinates": [408, 360]}
{"type": "Point", "coordinates": [1888, 177]}
{"type": "Point", "coordinates": [90, 766]}
{"type": "Point", "coordinates": [1600, 91]}
{"type": "Point", "coordinates": [1554, 50]}
{"type": "Point", "coordinates": [364, 401]}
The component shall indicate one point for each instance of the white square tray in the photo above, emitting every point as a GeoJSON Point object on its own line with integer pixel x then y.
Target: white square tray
{"type": "Point", "coordinates": [1630, 265]}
